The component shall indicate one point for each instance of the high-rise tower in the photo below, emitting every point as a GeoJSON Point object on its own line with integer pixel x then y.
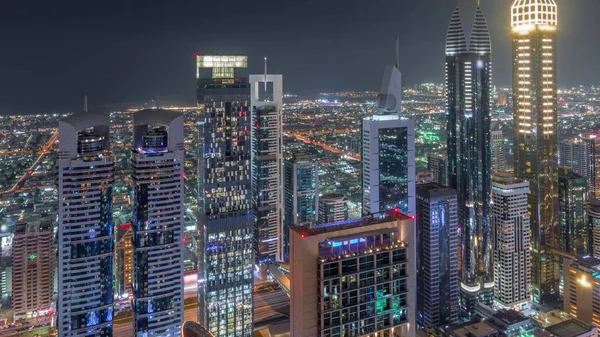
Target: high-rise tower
{"type": "Point", "coordinates": [534, 25]}
{"type": "Point", "coordinates": [267, 161]}
{"type": "Point", "coordinates": [468, 87]}
{"type": "Point", "coordinates": [226, 228]}
{"type": "Point", "coordinates": [157, 174]}
{"type": "Point", "coordinates": [388, 152]}
{"type": "Point", "coordinates": [85, 226]}
{"type": "Point", "coordinates": [512, 241]}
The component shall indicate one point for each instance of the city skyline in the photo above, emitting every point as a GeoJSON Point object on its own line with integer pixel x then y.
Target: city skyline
{"type": "Point", "coordinates": [112, 65]}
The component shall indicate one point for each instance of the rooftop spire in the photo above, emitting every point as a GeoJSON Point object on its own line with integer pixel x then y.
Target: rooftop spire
{"type": "Point", "coordinates": [85, 104]}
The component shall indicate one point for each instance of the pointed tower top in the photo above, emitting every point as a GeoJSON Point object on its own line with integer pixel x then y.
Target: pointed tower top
{"type": "Point", "coordinates": [468, 17]}
{"type": "Point", "coordinates": [85, 104]}
{"type": "Point", "coordinates": [398, 52]}
{"type": "Point", "coordinates": [480, 40]}
{"type": "Point", "coordinates": [456, 42]}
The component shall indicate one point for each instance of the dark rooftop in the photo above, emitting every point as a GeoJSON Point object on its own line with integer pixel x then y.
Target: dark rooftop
{"type": "Point", "coordinates": [570, 328]}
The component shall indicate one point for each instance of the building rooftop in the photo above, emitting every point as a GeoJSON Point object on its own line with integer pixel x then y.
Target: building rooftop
{"type": "Point", "coordinates": [480, 329]}
{"type": "Point", "coordinates": [372, 219]}
{"type": "Point", "coordinates": [435, 190]}
{"type": "Point", "coordinates": [570, 328]}
{"type": "Point", "coordinates": [509, 317]}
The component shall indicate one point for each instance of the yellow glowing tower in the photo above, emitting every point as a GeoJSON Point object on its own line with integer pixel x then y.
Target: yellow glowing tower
{"type": "Point", "coordinates": [534, 25]}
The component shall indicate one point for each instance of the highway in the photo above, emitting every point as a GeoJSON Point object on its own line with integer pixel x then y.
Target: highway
{"type": "Point", "coordinates": [350, 155]}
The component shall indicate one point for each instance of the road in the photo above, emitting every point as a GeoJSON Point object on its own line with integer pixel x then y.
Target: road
{"type": "Point", "coordinates": [45, 150]}
{"type": "Point", "coordinates": [271, 305]}
{"type": "Point", "coordinates": [330, 148]}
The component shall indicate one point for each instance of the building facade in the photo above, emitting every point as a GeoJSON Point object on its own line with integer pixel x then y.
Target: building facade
{"type": "Point", "coordinates": [85, 226]}
{"type": "Point", "coordinates": [575, 235]}
{"type": "Point", "coordinates": [33, 269]}
{"type": "Point", "coordinates": [437, 255]}
{"type": "Point", "coordinates": [512, 241]}
{"type": "Point", "coordinates": [591, 138]}
{"type": "Point", "coordinates": [574, 153]}
{"type": "Point", "coordinates": [226, 221]}
{"type": "Point", "coordinates": [124, 261]}
{"type": "Point", "coordinates": [301, 182]}
{"type": "Point", "coordinates": [267, 163]}
{"type": "Point", "coordinates": [498, 151]}
{"type": "Point", "coordinates": [581, 290]}
{"type": "Point", "coordinates": [439, 166]}
{"type": "Point", "coordinates": [388, 152]}
{"type": "Point", "coordinates": [534, 26]}
{"type": "Point", "coordinates": [355, 278]}
{"type": "Point", "coordinates": [468, 87]}
{"type": "Point", "coordinates": [333, 207]}
{"type": "Point", "coordinates": [157, 173]}
{"type": "Point", "coordinates": [593, 223]}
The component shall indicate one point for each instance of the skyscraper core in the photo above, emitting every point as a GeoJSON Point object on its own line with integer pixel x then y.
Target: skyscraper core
{"type": "Point", "coordinates": [534, 25]}
{"type": "Point", "coordinates": [468, 86]}
{"type": "Point", "coordinates": [226, 228]}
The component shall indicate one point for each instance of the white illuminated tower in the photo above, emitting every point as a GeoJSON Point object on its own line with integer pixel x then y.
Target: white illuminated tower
{"type": "Point", "coordinates": [267, 161]}
{"type": "Point", "coordinates": [534, 26]}
{"type": "Point", "coordinates": [157, 174]}
{"type": "Point", "coordinates": [498, 152]}
{"type": "Point", "coordinates": [388, 151]}
{"type": "Point", "coordinates": [85, 226]}
{"type": "Point", "coordinates": [512, 241]}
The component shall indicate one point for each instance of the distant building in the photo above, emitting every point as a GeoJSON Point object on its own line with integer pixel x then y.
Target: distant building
{"type": "Point", "coordinates": [512, 323]}
{"type": "Point", "coordinates": [333, 207]}
{"type": "Point", "coordinates": [498, 151]}
{"type": "Point", "coordinates": [437, 255]}
{"type": "Point", "coordinates": [301, 181]}
{"type": "Point", "coordinates": [581, 286]}
{"type": "Point", "coordinates": [357, 277]}
{"type": "Point", "coordinates": [575, 153]}
{"type": "Point", "coordinates": [512, 241]}
{"type": "Point", "coordinates": [267, 162]}
{"type": "Point", "coordinates": [593, 141]}
{"type": "Point", "coordinates": [593, 224]}
{"type": "Point", "coordinates": [388, 152]}
{"type": "Point", "coordinates": [33, 269]}
{"type": "Point", "coordinates": [124, 260]}
{"type": "Point", "coordinates": [438, 165]}
{"type": "Point", "coordinates": [424, 177]}
{"type": "Point", "coordinates": [575, 235]}
{"type": "Point", "coordinates": [502, 98]}
{"type": "Point", "coordinates": [157, 174]}
{"type": "Point", "coordinates": [85, 239]}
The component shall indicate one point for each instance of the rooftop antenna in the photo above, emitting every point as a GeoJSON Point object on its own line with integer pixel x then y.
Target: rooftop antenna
{"type": "Point", "coordinates": [85, 105]}
{"type": "Point", "coordinates": [398, 52]}
{"type": "Point", "coordinates": [265, 74]}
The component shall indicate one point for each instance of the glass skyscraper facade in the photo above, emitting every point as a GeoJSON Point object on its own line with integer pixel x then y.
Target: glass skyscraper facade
{"type": "Point", "coordinates": [85, 226]}
{"type": "Point", "coordinates": [468, 86]}
{"type": "Point", "coordinates": [226, 226]}
{"type": "Point", "coordinates": [437, 255]}
{"type": "Point", "coordinates": [157, 173]}
{"type": "Point", "coordinates": [301, 187]}
{"type": "Point", "coordinates": [575, 234]}
{"type": "Point", "coordinates": [534, 26]}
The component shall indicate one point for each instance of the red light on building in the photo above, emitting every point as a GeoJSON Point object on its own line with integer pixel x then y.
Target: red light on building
{"type": "Point", "coordinates": [125, 226]}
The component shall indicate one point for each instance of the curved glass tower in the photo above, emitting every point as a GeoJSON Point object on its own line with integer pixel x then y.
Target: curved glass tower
{"type": "Point", "coordinates": [468, 85]}
{"type": "Point", "coordinates": [85, 227]}
{"type": "Point", "coordinates": [534, 25]}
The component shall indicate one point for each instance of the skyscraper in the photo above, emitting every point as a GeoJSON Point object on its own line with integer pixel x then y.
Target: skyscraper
{"type": "Point", "coordinates": [333, 207]}
{"type": "Point", "coordinates": [512, 241]}
{"type": "Point", "coordinates": [355, 278]}
{"type": "Point", "coordinates": [575, 153]}
{"type": "Point", "coordinates": [388, 152]}
{"type": "Point", "coordinates": [124, 260]}
{"type": "Point", "coordinates": [226, 228]}
{"type": "Point", "coordinates": [267, 161]}
{"type": "Point", "coordinates": [33, 269]}
{"type": "Point", "coordinates": [498, 151]}
{"type": "Point", "coordinates": [85, 226]}
{"type": "Point", "coordinates": [593, 141]}
{"type": "Point", "coordinates": [158, 191]}
{"type": "Point", "coordinates": [301, 181]}
{"type": "Point", "coordinates": [575, 235]}
{"type": "Point", "coordinates": [468, 87]}
{"type": "Point", "coordinates": [437, 255]}
{"type": "Point", "coordinates": [439, 166]}
{"type": "Point", "coordinates": [593, 223]}
{"type": "Point", "coordinates": [534, 26]}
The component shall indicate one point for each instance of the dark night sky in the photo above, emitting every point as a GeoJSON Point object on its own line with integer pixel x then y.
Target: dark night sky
{"type": "Point", "coordinates": [55, 51]}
